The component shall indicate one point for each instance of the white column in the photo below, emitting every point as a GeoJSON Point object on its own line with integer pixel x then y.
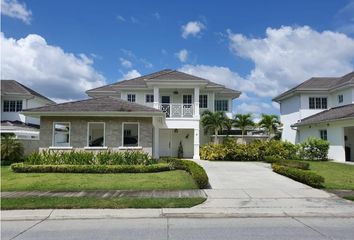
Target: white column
{"type": "Point", "coordinates": [212, 102]}
{"type": "Point", "coordinates": [196, 144]}
{"type": "Point", "coordinates": [156, 97]}
{"type": "Point", "coordinates": [196, 102]}
{"type": "Point", "coordinates": [156, 142]}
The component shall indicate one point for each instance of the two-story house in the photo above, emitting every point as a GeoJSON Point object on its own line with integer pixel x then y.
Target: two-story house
{"type": "Point", "coordinates": [155, 113]}
{"type": "Point", "coordinates": [16, 97]}
{"type": "Point", "coordinates": [321, 107]}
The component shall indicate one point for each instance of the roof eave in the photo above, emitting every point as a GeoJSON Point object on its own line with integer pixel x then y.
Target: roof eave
{"type": "Point", "coordinates": [94, 114]}
{"type": "Point", "coordinates": [299, 124]}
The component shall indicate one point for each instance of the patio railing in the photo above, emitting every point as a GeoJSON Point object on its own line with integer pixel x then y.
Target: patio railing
{"type": "Point", "coordinates": [177, 110]}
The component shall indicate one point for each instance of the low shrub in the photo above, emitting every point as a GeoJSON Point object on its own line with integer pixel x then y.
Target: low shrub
{"type": "Point", "coordinates": [314, 149]}
{"type": "Point", "coordinates": [272, 159]}
{"type": "Point", "coordinates": [288, 163]}
{"type": "Point", "coordinates": [89, 158]}
{"type": "Point", "coordinates": [25, 168]}
{"type": "Point", "coordinates": [11, 150]}
{"type": "Point", "coordinates": [303, 176]}
{"type": "Point", "coordinates": [196, 171]}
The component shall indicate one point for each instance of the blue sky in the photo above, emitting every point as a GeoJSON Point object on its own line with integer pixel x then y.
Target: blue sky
{"type": "Point", "coordinates": [259, 47]}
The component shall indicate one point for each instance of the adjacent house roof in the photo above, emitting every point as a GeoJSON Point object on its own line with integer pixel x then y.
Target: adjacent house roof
{"type": "Point", "coordinates": [163, 75]}
{"type": "Point", "coordinates": [320, 84]}
{"type": "Point", "coordinates": [12, 87]}
{"type": "Point", "coordinates": [333, 114]}
{"type": "Point", "coordinates": [112, 105]}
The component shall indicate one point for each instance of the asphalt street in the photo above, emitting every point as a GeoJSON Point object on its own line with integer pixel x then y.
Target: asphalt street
{"type": "Point", "coordinates": [181, 228]}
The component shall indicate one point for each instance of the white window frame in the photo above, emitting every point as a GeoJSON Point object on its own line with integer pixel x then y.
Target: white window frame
{"type": "Point", "coordinates": [88, 136]}
{"type": "Point", "coordinates": [227, 104]}
{"type": "Point", "coordinates": [53, 137]}
{"type": "Point", "coordinates": [130, 147]}
{"type": "Point", "coordinates": [149, 94]}
{"type": "Point", "coordinates": [340, 98]}
{"type": "Point", "coordinates": [320, 101]}
{"type": "Point", "coordinates": [132, 94]}
{"type": "Point", "coordinates": [323, 130]}
{"type": "Point", "coordinates": [187, 95]}
{"type": "Point", "coordinates": [207, 99]}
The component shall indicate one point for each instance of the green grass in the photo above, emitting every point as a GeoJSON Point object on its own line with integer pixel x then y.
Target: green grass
{"type": "Point", "coordinates": [91, 202]}
{"type": "Point", "coordinates": [351, 198]}
{"type": "Point", "coordinates": [173, 180]}
{"type": "Point", "coordinates": [337, 175]}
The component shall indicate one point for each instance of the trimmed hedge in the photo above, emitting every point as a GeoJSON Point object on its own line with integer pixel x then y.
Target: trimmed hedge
{"type": "Point", "coordinates": [196, 171]}
{"type": "Point", "coordinates": [303, 176]}
{"type": "Point", "coordinates": [90, 158]}
{"type": "Point", "coordinates": [288, 163]}
{"type": "Point", "coordinates": [25, 168]}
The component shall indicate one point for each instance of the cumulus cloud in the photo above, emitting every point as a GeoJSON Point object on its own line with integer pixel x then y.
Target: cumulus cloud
{"type": "Point", "coordinates": [182, 55]}
{"type": "Point", "coordinates": [131, 74]}
{"type": "Point", "coordinates": [289, 55]}
{"type": "Point", "coordinates": [48, 69]}
{"type": "Point", "coordinates": [125, 63]}
{"type": "Point", "coordinates": [192, 28]}
{"type": "Point", "coordinates": [15, 9]}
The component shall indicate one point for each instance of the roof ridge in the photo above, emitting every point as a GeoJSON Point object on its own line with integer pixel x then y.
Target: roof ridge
{"type": "Point", "coordinates": [162, 73]}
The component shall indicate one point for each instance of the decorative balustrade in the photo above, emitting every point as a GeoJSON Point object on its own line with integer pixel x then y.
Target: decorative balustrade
{"type": "Point", "coordinates": [177, 110]}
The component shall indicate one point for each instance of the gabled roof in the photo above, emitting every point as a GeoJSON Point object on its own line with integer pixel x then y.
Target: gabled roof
{"type": "Point", "coordinates": [319, 84]}
{"type": "Point", "coordinates": [333, 114]}
{"type": "Point", "coordinates": [12, 87]}
{"type": "Point", "coordinates": [93, 105]}
{"type": "Point", "coordinates": [163, 75]}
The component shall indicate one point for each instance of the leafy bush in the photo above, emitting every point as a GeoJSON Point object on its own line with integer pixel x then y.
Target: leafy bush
{"type": "Point", "coordinates": [25, 168]}
{"type": "Point", "coordinates": [11, 149]}
{"type": "Point", "coordinates": [197, 172]}
{"type": "Point", "coordinates": [213, 152]}
{"type": "Point", "coordinates": [304, 176]}
{"type": "Point", "coordinates": [314, 149]}
{"type": "Point", "coordinates": [89, 158]}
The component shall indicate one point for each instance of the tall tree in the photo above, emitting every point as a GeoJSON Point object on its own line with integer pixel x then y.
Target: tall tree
{"type": "Point", "coordinates": [271, 123]}
{"type": "Point", "coordinates": [213, 122]}
{"type": "Point", "coordinates": [243, 121]}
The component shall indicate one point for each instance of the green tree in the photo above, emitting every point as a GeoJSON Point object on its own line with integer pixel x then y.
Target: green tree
{"type": "Point", "coordinates": [243, 121]}
{"type": "Point", "coordinates": [271, 123]}
{"type": "Point", "coordinates": [213, 122]}
{"type": "Point", "coordinates": [11, 149]}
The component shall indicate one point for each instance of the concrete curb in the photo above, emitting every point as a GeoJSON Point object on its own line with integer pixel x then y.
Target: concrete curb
{"type": "Point", "coordinates": [61, 214]}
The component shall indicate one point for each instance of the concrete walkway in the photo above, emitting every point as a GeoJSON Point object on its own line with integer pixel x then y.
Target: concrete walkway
{"type": "Point", "coordinates": [112, 193]}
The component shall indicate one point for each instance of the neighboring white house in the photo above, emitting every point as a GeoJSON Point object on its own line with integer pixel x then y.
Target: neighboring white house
{"type": "Point", "coordinates": [16, 97]}
{"type": "Point", "coordinates": [156, 113]}
{"type": "Point", "coordinates": [321, 107]}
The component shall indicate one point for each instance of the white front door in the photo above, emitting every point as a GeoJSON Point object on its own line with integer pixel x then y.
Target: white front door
{"type": "Point", "coordinates": [165, 143]}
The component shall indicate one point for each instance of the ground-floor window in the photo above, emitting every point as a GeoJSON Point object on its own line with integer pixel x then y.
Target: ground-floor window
{"type": "Point", "coordinates": [323, 134]}
{"type": "Point", "coordinates": [130, 134]}
{"type": "Point", "coordinates": [96, 134]}
{"type": "Point", "coordinates": [61, 132]}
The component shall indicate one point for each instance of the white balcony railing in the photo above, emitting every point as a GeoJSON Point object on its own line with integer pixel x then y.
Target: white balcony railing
{"type": "Point", "coordinates": [177, 110]}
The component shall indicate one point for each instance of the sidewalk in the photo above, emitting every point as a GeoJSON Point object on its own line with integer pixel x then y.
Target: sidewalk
{"type": "Point", "coordinates": [195, 193]}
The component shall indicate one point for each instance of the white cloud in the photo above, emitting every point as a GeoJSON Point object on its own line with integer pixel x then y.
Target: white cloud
{"type": "Point", "coordinates": [344, 19]}
{"type": "Point", "coordinates": [125, 63]}
{"type": "Point", "coordinates": [182, 55]}
{"type": "Point", "coordinates": [137, 60]}
{"type": "Point", "coordinates": [15, 9]}
{"type": "Point", "coordinates": [48, 69]}
{"type": "Point", "coordinates": [289, 55]}
{"type": "Point", "coordinates": [221, 75]}
{"type": "Point", "coordinates": [121, 18]}
{"type": "Point", "coordinates": [192, 28]}
{"type": "Point", "coordinates": [131, 74]}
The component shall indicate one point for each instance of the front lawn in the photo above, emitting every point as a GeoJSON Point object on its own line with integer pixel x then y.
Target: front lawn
{"type": "Point", "coordinates": [172, 180]}
{"type": "Point", "coordinates": [92, 202]}
{"type": "Point", "coordinates": [337, 175]}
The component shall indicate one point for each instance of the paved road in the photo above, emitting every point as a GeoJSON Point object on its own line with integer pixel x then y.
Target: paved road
{"type": "Point", "coordinates": [252, 187]}
{"type": "Point", "coordinates": [179, 228]}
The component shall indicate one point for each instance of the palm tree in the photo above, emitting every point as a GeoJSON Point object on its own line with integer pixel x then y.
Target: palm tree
{"type": "Point", "coordinates": [270, 122]}
{"type": "Point", "coordinates": [228, 125]}
{"type": "Point", "coordinates": [11, 149]}
{"type": "Point", "coordinates": [243, 121]}
{"type": "Point", "coordinates": [213, 122]}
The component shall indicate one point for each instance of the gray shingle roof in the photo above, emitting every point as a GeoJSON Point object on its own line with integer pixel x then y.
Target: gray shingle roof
{"type": "Point", "coordinates": [12, 87]}
{"type": "Point", "coordinates": [320, 84]}
{"type": "Point", "coordinates": [166, 74]}
{"type": "Point", "coordinates": [337, 113]}
{"type": "Point", "coordinates": [101, 104]}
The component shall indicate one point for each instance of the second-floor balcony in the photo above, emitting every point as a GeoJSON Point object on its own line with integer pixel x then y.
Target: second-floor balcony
{"type": "Point", "coordinates": [177, 110]}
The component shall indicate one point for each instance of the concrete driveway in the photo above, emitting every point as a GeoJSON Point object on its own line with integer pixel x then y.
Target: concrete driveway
{"type": "Point", "coordinates": [254, 187]}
